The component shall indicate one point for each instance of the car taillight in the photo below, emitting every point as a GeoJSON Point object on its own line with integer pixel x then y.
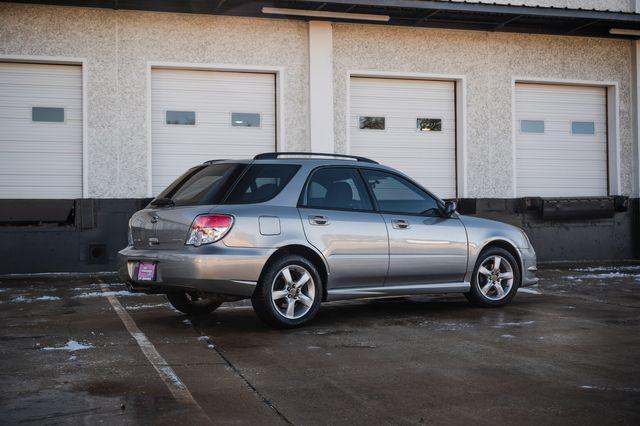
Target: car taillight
{"type": "Point", "coordinates": [208, 229]}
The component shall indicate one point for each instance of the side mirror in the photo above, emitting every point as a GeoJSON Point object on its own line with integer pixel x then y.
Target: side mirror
{"type": "Point", "coordinates": [449, 208]}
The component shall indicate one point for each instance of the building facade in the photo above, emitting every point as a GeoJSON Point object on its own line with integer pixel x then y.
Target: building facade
{"type": "Point", "coordinates": [525, 114]}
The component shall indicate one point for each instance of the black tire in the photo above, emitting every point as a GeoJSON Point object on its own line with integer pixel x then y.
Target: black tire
{"type": "Point", "coordinates": [191, 304]}
{"type": "Point", "coordinates": [266, 308]}
{"type": "Point", "coordinates": [476, 296]}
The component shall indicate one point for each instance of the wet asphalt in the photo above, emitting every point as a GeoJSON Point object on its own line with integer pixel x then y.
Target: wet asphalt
{"type": "Point", "coordinates": [565, 352]}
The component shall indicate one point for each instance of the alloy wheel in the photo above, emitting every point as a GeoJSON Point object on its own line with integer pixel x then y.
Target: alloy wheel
{"type": "Point", "coordinates": [495, 277]}
{"type": "Point", "coordinates": [293, 292]}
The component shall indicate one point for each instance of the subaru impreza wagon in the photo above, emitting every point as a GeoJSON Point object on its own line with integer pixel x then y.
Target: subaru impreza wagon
{"type": "Point", "coordinates": [291, 230]}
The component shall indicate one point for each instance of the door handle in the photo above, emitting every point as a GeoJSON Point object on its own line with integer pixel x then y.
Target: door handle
{"type": "Point", "coordinates": [400, 223]}
{"type": "Point", "coordinates": [316, 219]}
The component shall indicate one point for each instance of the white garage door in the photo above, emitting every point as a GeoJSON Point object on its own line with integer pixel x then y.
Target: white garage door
{"type": "Point", "coordinates": [409, 125]}
{"type": "Point", "coordinates": [561, 141]}
{"type": "Point", "coordinates": [205, 115]}
{"type": "Point", "coordinates": [40, 131]}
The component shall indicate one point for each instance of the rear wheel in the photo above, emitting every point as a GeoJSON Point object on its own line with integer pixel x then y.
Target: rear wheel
{"type": "Point", "coordinates": [289, 293]}
{"type": "Point", "coordinates": [192, 304]}
{"type": "Point", "coordinates": [495, 280]}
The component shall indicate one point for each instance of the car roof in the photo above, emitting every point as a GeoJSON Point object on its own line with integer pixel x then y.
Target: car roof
{"type": "Point", "coordinates": [316, 159]}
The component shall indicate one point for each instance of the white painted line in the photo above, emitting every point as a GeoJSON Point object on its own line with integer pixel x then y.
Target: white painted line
{"type": "Point", "coordinates": [166, 373]}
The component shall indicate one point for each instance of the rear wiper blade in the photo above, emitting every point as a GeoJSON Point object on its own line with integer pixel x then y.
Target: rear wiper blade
{"type": "Point", "coordinates": [163, 202]}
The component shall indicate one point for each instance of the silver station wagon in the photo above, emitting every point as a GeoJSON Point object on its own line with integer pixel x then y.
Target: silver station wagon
{"type": "Point", "coordinates": [291, 230]}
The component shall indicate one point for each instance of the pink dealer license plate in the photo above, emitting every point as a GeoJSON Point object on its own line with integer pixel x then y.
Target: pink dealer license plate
{"type": "Point", "coordinates": [146, 271]}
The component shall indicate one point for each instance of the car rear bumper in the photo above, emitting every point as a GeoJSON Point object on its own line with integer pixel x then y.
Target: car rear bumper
{"type": "Point", "coordinates": [530, 267]}
{"type": "Point", "coordinates": [210, 269]}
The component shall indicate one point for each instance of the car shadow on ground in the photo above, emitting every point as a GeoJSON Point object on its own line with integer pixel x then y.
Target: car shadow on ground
{"type": "Point", "coordinates": [350, 315]}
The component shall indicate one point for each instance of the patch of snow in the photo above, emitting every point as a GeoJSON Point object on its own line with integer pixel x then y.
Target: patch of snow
{"type": "Point", "coordinates": [203, 338]}
{"type": "Point", "coordinates": [234, 307]}
{"type": "Point", "coordinates": [508, 336]}
{"type": "Point", "coordinates": [63, 274]}
{"type": "Point", "coordinates": [603, 388]}
{"type": "Point", "coordinates": [608, 268]}
{"type": "Point", "coordinates": [210, 346]}
{"type": "Point", "coordinates": [72, 358]}
{"type": "Point", "coordinates": [186, 322]}
{"type": "Point", "coordinates": [71, 346]}
{"type": "Point", "coordinates": [145, 306]}
{"type": "Point", "coordinates": [446, 326]}
{"type": "Point", "coordinates": [529, 290]}
{"type": "Point", "coordinates": [602, 276]}
{"type": "Point", "coordinates": [513, 324]}
{"type": "Point", "coordinates": [47, 298]}
{"type": "Point", "coordinates": [22, 299]}
{"type": "Point", "coordinates": [313, 347]}
{"type": "Point", "coordinates": [124, 293]}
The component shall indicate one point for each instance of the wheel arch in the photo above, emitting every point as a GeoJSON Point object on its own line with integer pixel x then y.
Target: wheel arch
{"type": "Point", "coordinates": [307, 252]}
{"type": "Point", "coordinates": [506, 245]}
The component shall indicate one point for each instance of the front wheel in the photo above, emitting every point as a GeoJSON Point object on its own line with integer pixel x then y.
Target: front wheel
{"type": "Point", "coordinates": [289, 293]}
{"type": "Point", "coordinates": [192, 304]}
{"type": "Point", "coordinates": [496, 278]}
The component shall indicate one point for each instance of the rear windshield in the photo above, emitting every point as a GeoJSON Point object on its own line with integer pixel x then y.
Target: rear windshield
{"type": "Point", "coordinates": [203, 185]}
{"type": "Point", "coordinates": [261, 182]}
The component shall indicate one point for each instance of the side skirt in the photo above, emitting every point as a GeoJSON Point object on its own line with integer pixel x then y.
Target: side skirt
{"type": "Point", "coordinates": [398, 290]}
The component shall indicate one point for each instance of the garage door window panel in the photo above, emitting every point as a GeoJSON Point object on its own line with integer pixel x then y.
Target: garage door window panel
{"type": "Point", "coordinates": [180, 118]}
{"type": "Point", "coordinates": [47, 114]}
{"type": "Point", "coordinates": [245, 119]}
{"type": "Point", "coordinates": [371, 123]}
{"type": "Point", "coordinates": [429, 124]}
{"type": "Point", "coordinates": [532, 126]}
{"type": "Point", "coordinates": [583, 128]}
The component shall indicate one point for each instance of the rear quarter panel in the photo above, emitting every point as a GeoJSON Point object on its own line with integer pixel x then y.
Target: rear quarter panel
{"type": "Point", "coordinates": [247, 232]}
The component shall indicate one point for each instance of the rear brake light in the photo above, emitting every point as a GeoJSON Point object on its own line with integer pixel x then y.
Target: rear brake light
{"type": "Point", "coordinates": [208, 229]}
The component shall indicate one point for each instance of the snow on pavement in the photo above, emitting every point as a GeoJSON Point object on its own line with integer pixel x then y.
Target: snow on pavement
{"type": "Point", "coordinates": [71, 346]}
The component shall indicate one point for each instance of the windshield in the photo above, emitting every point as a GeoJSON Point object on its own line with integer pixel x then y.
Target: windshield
{"type": "Point", "coordinates": [201, 185]}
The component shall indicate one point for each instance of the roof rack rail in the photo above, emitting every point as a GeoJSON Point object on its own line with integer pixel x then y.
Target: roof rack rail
{"type": "Point", "coordinates": [275, 155]}
{"type": "Point", "coordinates": [214, 161]}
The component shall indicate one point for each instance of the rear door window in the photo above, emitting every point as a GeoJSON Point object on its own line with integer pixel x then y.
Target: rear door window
{"type": "Point", "coordinates": [203, 185]}
{"type": "Point", "coordinates": [261, 182]}
{"type": "Point", "coordinates": [338, 188]}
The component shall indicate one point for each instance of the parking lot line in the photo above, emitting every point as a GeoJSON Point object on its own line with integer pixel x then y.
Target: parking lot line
{"type": "Point", "coordinates": [178, 389]}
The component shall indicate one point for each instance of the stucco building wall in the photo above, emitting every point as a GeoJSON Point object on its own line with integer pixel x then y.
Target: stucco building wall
{"type": "Point", "coordinates": [488, 61]}
{"type": "Point", "coordinates": [117, 45]}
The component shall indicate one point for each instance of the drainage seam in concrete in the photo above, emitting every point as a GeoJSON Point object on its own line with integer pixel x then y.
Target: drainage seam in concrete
{"type": "Point", "coordinates": [263, 398]}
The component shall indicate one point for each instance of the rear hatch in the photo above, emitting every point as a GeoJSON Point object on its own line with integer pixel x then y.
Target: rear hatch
{"type": "Point", "coordinates": [166, 222]}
